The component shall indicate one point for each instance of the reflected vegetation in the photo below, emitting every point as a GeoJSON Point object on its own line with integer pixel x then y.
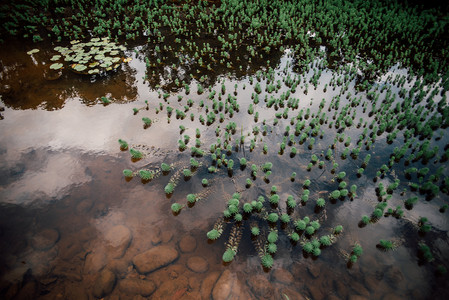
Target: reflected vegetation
{"type": "Point", "coordinates": [257, 149]}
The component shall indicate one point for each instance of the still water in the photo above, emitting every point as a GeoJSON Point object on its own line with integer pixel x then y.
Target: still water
{"type": "Point", "coordinates": [73, 227]}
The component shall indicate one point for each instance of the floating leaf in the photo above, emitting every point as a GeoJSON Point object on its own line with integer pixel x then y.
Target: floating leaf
{"type": "Point", "coordinates": [56, 66]}
{"type": "Point", "coordinates": [94, 71]}
{"type": "Point", "coordinates": [33, 51]}
{"type": "Point", "coordinates": [79, 67]}
{"type": "Point", "coordinates": [55, 57]}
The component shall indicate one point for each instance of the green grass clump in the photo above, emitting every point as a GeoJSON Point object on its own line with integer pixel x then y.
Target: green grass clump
{"type": "Point", "coordinates": [386, 245]}
{"type": "Point", "coordinates": [325, 240]}
{"type": "Point", "coordinates": [187, 173]}
{"type": "Point", "coordinates": [191, 198]}
{"type": "Point", "coordinates": [255, 230]}
{"type": "Point", "coordinates": [165, 167]}
{"type": "Point", "coordinates": [128, 173]}
{"type": "Point", "coordinates": [267, 261]}
{"type": "Point", "coordinates": [291, 203]}
{"type": "Point", "coordinates": [146, 121]}
{"type": "Point", "coordinates": [308, 247]}
{"type": "Point", "coordinates": [146, 175]}
{"type": "Point", "coordinates": [338, 229]}
{"type": "Point", "coordinates": [320, 202]}
{"type": "Point", "coordinates": [285, 218]}
{"type": "Point", "coordinates": [300, 225]}
{"type": "Point", "coordinates": [357, 249]}
{"type": "Point", "coordinates": [272, 236]}
{"type": "Point", "coordinates": [310, 230]}
{"type": "Point", "coordinates": [272, 217]}
{"type": "Point", "coordinates": [135, 154]}
{"type": "Point", "coordinates": [272, 248]}
{"type": "Point", "coordinates": [228, 255]}
{"type": "Point", "coordinates": [213, 234]}
{"type": "Point", "coordinates": [274, 199]}
{"type": "Point", "coordinates": [169, 188]}
{"type": "Point", "coordinates": [176, 208]}
{"type": "Point", "coordinates": [294, 236]}
{"type": "Point", "coordinates": [123, 144]}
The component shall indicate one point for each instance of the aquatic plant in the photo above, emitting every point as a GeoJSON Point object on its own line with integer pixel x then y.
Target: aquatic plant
{"type": "Point", "coordinates": [338, 229]}
{"type": "Point", "coordinates": [169, 188]}
{"type": "Point", "coordinates": [386, 245]}
{"type": "Point", "coordinates": [123, 144]}
{"type": "Point", "coordinates": [165, 167]}
{"type": "Point", "coordinates": [135, 154]}
{"type": "Point", "coordinates": [267, 261]}
{"type": "Point", "coordinates": [176, 207]}
{"type": "Point", "coordinates": [128, 173]}
{"type": "Point", "coordinates": [146, 174]}
{"type": "Point", "coordinates": [272, 217]}
{"type": "Point", "coordinates": [357, 249]}
{"type": "Point", "coordinates": [147, 122]}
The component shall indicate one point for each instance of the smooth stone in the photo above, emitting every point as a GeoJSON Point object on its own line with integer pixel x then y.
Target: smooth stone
{"type": "Point", "coordinates": [333, 297]}
{"type": "Point", "coordinates": [95, 261]}
{"type": "Point", "coordinates": [68, 249]}
{"type": "Point", "coordinates": [197, 264]}
{"type": "Point", "coordinates": [133, 286]}
{"type": "Point", "coordinates": [260, 286]}
{"type": "Point", "coordinates": [84, 206]}
{"type": "Point", "coordinates": [118, 239]}
{"type": "Point", "coordinates": [207, 284]}
{"type": "Point", "coordinates": [372, 283]}
{"type": "Point", "coordinates": [28, 291]}
{"type": "Point", "coordinates": [395, 275]}
{"type": "Point", "coordinates": [283, 276]}
{"type": "Point", "coordinates": [223, 287]}
{"type": "Point", "coordinates": [166, 236]}
{"type": "Point", "coordinates": [314, 270]}
{"type": "Point", "coordinates": [291, 294]}
{"type": "Point", "coordinates": [360, 289]}
{"type": "Point", "coordinates": [187, 244]}
{"type": "Point", "coordinates": [104, 284]}
{"type": "Point", "coordinates": [391, 296]}
{"type": "Point", "coordinates": [119, 267]}
{"type": "Point", "coordinates": [75, 292]}
{"type": "Point", "coordinates": [154, 259]}
{"type": "Point", "coordinates": [315, 291]}
{"type": "Point", "coordinates": [357, 297]}
{"type": "Point", "coordinates": [172, 289]}
{"type": "Point", "coordinates": [45, 239]}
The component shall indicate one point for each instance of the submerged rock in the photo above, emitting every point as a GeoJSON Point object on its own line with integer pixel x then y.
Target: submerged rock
{"type": "Point", "coordinates": [118, 239]}
{"type": "Point", "coordinates": [207, 284]}
{"type": "Point", "coordinates": [283, 276]}
{"type": "Point", "coordinates": [104, 284]}
{"type": "Point", "coordinates": [172, 289]}
{"type": "Point", "coordinates": [197, 264]}
{"type": "Point", "coordinates": [45, 239]}
{"type": "Point", "coordinates": [260, 286]}
{"type": "Point", "coordinates": [95, 261]}
{"type": "Point", "coordinates": [223, 288]}
{"type": "Point", "coordinates": [154, 259]}
{"type": "Point", "coordinates": [135, 286]}
{"type": "Point", "coordinates": [187, 244]}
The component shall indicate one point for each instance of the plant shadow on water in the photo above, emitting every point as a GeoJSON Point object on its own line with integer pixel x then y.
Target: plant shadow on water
{"type": "Point", "coordinates": [284, 164]}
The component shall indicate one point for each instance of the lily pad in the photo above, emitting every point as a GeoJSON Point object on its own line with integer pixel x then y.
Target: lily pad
{"type": "Point", "coordinates": [55, 57]}
{"type": "Point", "coordinates": [33, 51]}
{"type": "Point", "coordinates": [79, 67]}
{"type": "Point", "coordinates": [56, 66]}
{"type": "Point", "coordinates": [94, 71]}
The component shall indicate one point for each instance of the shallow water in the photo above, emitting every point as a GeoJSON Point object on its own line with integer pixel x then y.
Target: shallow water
{"type": "Point", "coordinates": [69, 218]}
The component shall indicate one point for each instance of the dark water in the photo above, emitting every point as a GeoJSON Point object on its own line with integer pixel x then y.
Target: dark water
{"type": "Point", "coordinates": [69, 218]}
